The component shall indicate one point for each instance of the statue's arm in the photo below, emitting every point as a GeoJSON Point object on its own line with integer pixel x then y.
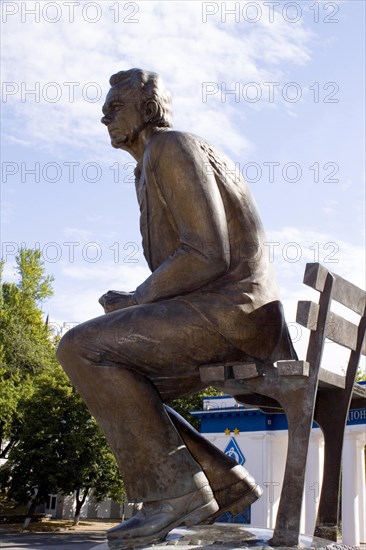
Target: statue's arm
{"type": "Point", "coordinates": [115, 299]}
{"type": "Point", "coordinates": [189, 188]}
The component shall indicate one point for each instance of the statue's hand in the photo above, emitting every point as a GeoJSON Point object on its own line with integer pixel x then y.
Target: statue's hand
{"type": "Point", "coordinates": [113, 300]}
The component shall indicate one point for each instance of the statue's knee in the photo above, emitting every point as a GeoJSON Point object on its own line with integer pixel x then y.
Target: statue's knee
{"type": "Point", "coordinates": [67, 347]}
{"type": "Point", "coordinates": [82, 342]}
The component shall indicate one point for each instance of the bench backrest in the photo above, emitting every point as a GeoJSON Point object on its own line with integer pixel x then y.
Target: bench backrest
{"type": "Point", "coordinates": [324, 323]}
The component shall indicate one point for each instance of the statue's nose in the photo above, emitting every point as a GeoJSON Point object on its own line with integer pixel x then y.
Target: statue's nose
{"type": "Point", "coordinates": [105, 120]}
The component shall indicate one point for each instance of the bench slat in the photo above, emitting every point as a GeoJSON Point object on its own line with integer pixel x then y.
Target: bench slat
{"type": "Point", "coordinates": [338, 329]}
{"type": "Point", "coordinates": [212, 373]}
{"type": "Point", "coordinates": [245, 371]}
{"type": "Point", "coordinates": [293, 368]}
{"type": "Point", "coordinates": [343, 332]}
{"type": "Point", "coordinates": [307, 314]}
{"type": "Point", "coordinates": [328, 378]}
{"type": "Point", "coordinates": [344, 292]}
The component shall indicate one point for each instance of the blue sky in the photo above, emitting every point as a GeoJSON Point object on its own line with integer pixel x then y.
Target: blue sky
{"type": "Point", "coordinates": [294, 124]}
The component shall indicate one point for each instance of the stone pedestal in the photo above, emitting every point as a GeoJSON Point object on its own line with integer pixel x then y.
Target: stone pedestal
{"type": "Point", "coordinates": [230, 537]}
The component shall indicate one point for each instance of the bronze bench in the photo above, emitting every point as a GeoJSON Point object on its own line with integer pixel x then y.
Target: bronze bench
{"type": "Point", "coordinates": [305, 392]}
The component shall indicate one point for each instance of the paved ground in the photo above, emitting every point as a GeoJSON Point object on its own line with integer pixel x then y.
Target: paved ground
{"type": "Point", "coordinates": [83, 537]}
{"type": "Point", "coordinates": [44, 541]}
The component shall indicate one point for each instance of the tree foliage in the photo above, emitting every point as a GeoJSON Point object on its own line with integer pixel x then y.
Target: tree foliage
{"type": "Point", "coordinates": [361, 375]}
{"type": "Point", "coordinates": [35, 286]}
{"type": "Point", "coordinates": [60, 448]}
{"type": "Point", "coordinates": [25, 344]}
{"type": "Point", "coordinates": [47, 434]}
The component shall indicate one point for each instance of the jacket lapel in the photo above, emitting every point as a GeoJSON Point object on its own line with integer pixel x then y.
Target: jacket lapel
{"type": "Point", "coordinates": [140, 184]}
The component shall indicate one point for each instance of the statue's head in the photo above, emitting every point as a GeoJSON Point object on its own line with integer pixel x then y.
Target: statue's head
{"type": "Point", "coordinates": [137, 99]}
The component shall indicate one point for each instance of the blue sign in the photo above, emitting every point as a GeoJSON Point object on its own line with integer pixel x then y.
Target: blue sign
{"type": "Point", "coordinates": [234, 451]}
{"type": "Point", "coordinates": [356, 416]}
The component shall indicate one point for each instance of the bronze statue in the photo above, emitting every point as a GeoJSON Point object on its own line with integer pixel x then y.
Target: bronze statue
{"type": "Point", "coordinates": [211, 297]}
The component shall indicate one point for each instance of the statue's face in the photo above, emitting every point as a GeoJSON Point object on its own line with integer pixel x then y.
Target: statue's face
{"type": "Point", "coordinates": [122, 116]}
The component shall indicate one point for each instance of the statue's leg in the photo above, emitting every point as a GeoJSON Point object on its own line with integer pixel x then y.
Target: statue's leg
{"type": "Point", "coordinates": [152, 457]}
{"type": "Point", "coordinates": [233, 486]}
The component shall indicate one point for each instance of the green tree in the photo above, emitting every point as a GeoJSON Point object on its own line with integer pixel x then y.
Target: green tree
{"type": "Point", "coordinates": [25, 344]}
{"type": "Point", "coordinates": [24, 336]}
{"type": "Point", "coordinates": [12, 390]}
{"type": "Point", "coordinates": [361, 375]}
{"type": "Point", "coordinates": [33, 284]}
{"type": "Point", "coordinates": [60, 449]}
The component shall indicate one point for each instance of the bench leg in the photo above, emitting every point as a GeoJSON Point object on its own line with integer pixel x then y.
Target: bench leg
{"type": "Point", "coordinates": [332, 425]}
{"type": "Point", "coordinates": [297, 400]}
{"type": "Point", "coordinates": [299, 414]}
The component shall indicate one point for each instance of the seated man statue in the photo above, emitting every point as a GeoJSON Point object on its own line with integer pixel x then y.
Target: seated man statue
{"type": "Point", "coordinates": [211, 297]}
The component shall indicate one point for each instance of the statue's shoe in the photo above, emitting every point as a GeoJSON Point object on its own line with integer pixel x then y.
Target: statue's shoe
{"type": "Point", "coordinates": [155, 519]}
{"type": "Point", "coordinates": [237, 496]}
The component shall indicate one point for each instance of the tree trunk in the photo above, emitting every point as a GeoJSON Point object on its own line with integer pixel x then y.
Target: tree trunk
{"type": "Point", "coordinates": [79, 504]}
{"type": "Point", "coordinates": [30, 513]}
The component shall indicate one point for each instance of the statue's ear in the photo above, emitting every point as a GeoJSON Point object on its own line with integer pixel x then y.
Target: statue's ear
{"type": "Point", "coordinates": [151, 110]}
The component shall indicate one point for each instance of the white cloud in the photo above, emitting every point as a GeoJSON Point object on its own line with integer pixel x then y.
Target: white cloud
{"type": "Point", "coordinates": [187, 53]}
{"type": "Point", "coordinates": [7, 212]}
{"type": "Point", "coordinates": [330, 207]}
{"type": "Point", "coordinates": [300, 245]}
{"type": "Point", "coordinates": [76, 298]}
{"type": "Point", "coordinates": [124, 277]}
{"type": "Point", "coordinates": [83, 235]}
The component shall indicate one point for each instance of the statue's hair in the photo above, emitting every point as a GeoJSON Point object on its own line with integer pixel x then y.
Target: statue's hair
{"type": "Point", "coordinates": [149, 87]}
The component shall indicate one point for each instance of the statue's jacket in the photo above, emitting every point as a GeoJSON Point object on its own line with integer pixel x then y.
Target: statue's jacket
{"type": "Point", "coordinates": [204, 243]}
